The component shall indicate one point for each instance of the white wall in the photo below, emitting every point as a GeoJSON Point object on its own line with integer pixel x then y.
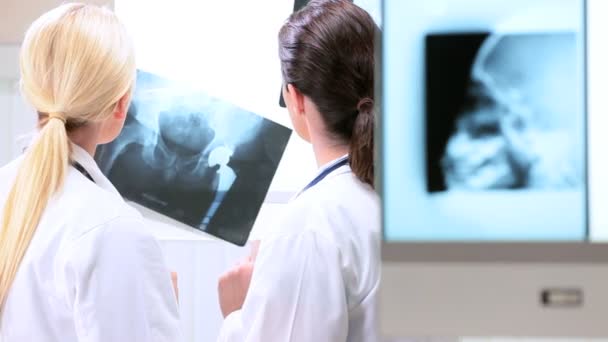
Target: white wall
{"type": "Point", "coordinates": [9, 72]}
{"type": "Point", "coordinates": [18, 121]}
{"type": "Point", "coordinates": [16, 15]}
{"type": "Point", "coordinates": [5, 135]}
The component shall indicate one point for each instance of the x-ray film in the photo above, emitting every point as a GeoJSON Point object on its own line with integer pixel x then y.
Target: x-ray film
{"type": "Point", "coordinates": [194, 158]}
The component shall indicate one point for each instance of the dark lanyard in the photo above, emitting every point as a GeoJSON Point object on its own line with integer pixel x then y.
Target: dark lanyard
{"type": "Point", "coordinates": [82, 170]}
{"type": "Point", "coordinates": [326, 173]}
{"type": "Point", "coordinates": [79, 168]}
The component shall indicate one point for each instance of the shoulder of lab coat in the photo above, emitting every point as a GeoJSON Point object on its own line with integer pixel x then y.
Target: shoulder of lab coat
{"type": "Point", "coordinates": [325, 250]}
{"type": "Point", "coordinates": [113, 272]}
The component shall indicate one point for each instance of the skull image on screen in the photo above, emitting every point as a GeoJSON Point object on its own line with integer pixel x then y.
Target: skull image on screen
{"type": "Point", "coordinates": [521, 126]}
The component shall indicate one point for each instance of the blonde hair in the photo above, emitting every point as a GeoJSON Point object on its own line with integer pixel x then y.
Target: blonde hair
{"type": "Point", "coordinates": [77, 62]}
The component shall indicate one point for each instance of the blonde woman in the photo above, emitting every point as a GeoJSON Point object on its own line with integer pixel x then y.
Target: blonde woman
{"type": "Point", "coordinates": [76, 263]}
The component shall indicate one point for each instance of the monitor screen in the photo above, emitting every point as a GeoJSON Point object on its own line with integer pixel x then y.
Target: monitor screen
{"type": "Point", "coordinates": [484, 121]}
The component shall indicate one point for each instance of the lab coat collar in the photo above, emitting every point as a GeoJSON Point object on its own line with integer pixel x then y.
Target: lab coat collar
{"type": "Point", "coordinates": [83, 158]}
{"type": "Point", "coordinates": [322, 169]}
{"type": "Point", "coordinates": [330, 164]}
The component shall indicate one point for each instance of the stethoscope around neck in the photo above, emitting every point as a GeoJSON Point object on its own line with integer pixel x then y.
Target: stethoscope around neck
{"type": "Point", "coordinates": [341, 162]}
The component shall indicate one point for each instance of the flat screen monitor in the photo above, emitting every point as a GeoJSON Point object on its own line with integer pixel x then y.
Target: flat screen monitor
{"type": "Point", "coordinates": [490, 169]}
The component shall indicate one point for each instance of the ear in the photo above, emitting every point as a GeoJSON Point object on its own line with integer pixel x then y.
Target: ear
{"type": "Point", "coordinates": [296, 99]}
{"type": "Point", "coordinates": [120, 112]}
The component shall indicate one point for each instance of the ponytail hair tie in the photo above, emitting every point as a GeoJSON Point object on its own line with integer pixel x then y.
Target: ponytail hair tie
{"type": "Point", "coordinates": [57, 117]}
{"type": "Point", "coordinates": [365, 105]}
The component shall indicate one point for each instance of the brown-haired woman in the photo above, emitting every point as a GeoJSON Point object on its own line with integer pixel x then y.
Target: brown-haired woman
{"type": "Point", "coordinates": [316, 276]}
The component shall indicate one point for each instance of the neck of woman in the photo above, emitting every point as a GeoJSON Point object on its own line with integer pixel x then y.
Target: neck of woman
{"type": "Point", "coordinates": [327, 150]}
{"type": "Point", "coordinates": [86, 137]}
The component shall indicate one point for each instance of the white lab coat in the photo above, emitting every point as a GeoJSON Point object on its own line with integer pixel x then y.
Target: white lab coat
{"type": "Point", "coordinates": [91, 273]}
{"type": "Point", "coordinates": [317, 274]}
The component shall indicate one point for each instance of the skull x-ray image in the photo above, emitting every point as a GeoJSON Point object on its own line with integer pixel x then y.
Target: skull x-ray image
{"type": "Point", "coordinates": [504, 111]}
{"type": "Point", "coordinates": [194, 158]}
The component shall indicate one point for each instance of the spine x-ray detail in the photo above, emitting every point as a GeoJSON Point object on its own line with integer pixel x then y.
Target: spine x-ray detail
{"type": "Point", "coordinates": [504, 112]}
{"type": "Point", "coordinates": [194, 158]}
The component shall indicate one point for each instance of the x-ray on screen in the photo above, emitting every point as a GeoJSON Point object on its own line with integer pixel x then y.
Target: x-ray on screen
{"type": "Point", "coordinates": [484, 132]}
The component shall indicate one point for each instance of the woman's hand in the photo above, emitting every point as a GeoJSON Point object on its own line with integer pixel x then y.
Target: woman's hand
{"type": "Point", "coordinates": [233, 287]}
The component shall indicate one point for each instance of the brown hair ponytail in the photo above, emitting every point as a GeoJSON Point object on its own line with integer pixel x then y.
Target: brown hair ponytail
{"type": "Point", "coordinates": [362, 142]}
